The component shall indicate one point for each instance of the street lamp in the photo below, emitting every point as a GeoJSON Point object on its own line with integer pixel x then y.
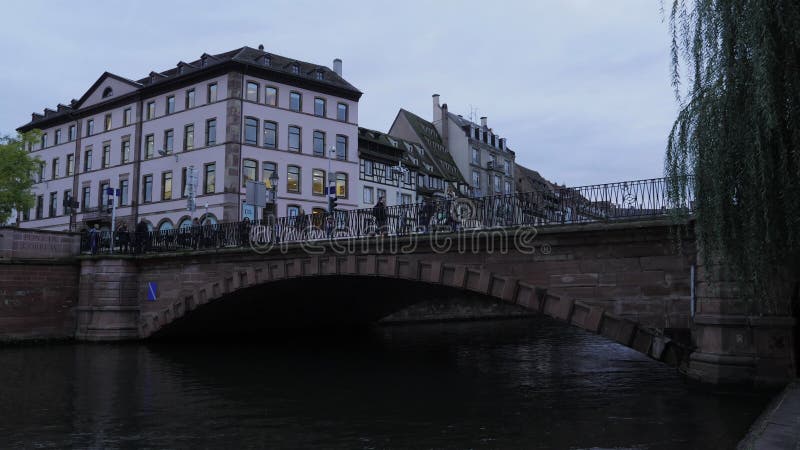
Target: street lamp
{"type": "Point", "coordinates": [273, 182]}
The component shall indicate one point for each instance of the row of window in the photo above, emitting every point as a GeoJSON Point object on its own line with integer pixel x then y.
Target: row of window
{"type": "Point", "coordinates": [368, 196]}
{"type": "Point", "coordinates": [150, 113]}
{"type": "Point", "coordinates": [496, 188]}
{"type": "Point", "coordinates": [270, 98]}
{"type": "Point", "coordinates": [476, 159]}
{"type": "Point", "coordinates": [294, 177]}
{"type": "Point", "coordinates": [269, 138]}
{"type": "Point", "coordinates": [488, 138]}
{"type": "Point", "coordinates": [189, 101]}
{"type": "Point", "coordinates": [379, 172]}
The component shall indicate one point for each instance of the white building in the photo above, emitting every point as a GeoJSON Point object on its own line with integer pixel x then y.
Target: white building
{"type": "Point", "coordinates": [481, 155]}
{"type": "Point", "coordinates": [231, 117]}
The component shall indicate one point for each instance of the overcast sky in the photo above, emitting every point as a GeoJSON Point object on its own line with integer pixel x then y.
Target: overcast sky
{"type": "Point", "coordinates": [580, 88]}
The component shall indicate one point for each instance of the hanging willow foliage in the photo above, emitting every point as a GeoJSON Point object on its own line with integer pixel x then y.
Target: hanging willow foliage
{"type": "Point", "coordinates": [736, 74]}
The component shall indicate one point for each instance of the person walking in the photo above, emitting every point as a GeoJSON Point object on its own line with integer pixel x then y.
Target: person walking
{"type": "Point", "coordinates": [379, 211]}
{"type": "Point", "coordinates": [123, 237]}
{"type": "Point", "coordinates": [94, 236]}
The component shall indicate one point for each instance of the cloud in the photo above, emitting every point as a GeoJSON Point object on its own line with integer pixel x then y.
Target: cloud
{"type": "Point", "coordinates": [580, 88]}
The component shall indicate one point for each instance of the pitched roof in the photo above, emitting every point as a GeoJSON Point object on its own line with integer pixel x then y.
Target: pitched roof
{"type": "Point", "coordinates": [436, 151]}
{"type": "Point", "coordinates": [382, 145]}
{"type": "Point", "coordinates": [258, 61]}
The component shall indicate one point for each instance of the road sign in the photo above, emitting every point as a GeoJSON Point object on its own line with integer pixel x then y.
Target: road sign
{"type": "Point", "coordinates": [249, 211]}
{"type": "Point", "coordinates": [152, 291]}
{"type": "Point", "coordinates": [256, 194]}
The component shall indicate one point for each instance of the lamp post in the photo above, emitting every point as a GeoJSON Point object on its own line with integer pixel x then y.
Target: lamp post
{"type": "Point", "coordinates": [273, 182]}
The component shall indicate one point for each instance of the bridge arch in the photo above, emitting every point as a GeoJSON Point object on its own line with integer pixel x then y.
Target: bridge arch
{"type": "Point", "coordinates": [469, 278]}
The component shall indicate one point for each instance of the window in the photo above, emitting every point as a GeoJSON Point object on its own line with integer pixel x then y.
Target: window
{"type": "Point", "coordinates": [170, 104]}
{"type": "Point", "coordinates": [40, 175]}
{"type": "Point", "coordinates": [251, 130]}
{"type": "Point", "coordinates": [252, 91]}
{"type": "Point", "coordinates": [493, 142]}
{"type": "Point", "coordinates": [294, 138]}
{"type": "Point", "coordinates": [149, 146]}
{"type": "Point", "coordinates": [102, 195]}
{"type": "Point", "coordinates": [44, 141]}
{"type": "Point", "coordinates": [86, 197]}
{"type": "Point", "coordinates": [508, 187]}
{"type": "Point", "coordinates": [405, 199]}
{"type": "Point", "coordinates": [497, 184]}
{"type": "Point", "coordinates": [188, 137]}
{"type": "Point", "coordinates": [108, 92]}
{"type": "Point", "coordinates": [90, 127]}
{"type": "Point", "coordinates": [211, 132]}
{"type": "Point", "coordinates": [189, 99]}
{"type": "Point", "coordinates": [87, 159]}
{"type": "Point", "coordinates": [123, 192]}
{"type": "Point", "coordinates": [271, 96]}
{"type": "Point", "coordinates": [507, 167]}
{"type": "Point", "coordinates": [318, 182]}
{"type": "Point", "coordinates": [106, 161]}
{"type": "Point", "coordinates": [211, 94]}
{"type": "Point", "coordinates": [368, 192]}
{"type": "Point", "coordinates": [267, 169]}
{"type": "Point", "coordinates": [270, 134]}
{"type": "Point", "coordinates": [319, 75]}
{"type": "Point", "coordinates": [107, 122]}
{"type": "Point", "coordinates": [54, 168]}
{"type": "Point", "coordinates": [295, 101]}
{"type": "Point", "coordinates": [169, 139]}
{"type": "Point", "coordinates": [368, 165]}
{"type": "Point", "coordinates": [53, 204]}
{"type": "Point", "coordinates": [57, 137]}
{"type": "Point", "coordinates": [341, 184]}
{"type": "Point", "coordinates": [296, 69]}
{"type": "Point", "coordinates": [184, 178]}
{"type": "Point", "coordinates": [67, 200]}
{"type": "Point", "coordinates": [151, 110]}
{"type": "Point", "coordinates": [293, 179]}
{"type": "Point", "coordinates": [166, 186]}
{"type": "Point", "coordinates": [292, 210]}
{"type": "Point", "coordinates": [341, 112]}
{"type": "Point", "coordinates": [476, 179]}
{"type": "Point", "coordinates": [341, 146]}
{"type": "Point", "coordinates": [126, 117]}
{"type": "Point", "coordinates": [249, 171]}
{"type": "Point", "coordinates": [477, 134]}
{"type": "Point", "coordinates": [71, 134]}
{"type": "Point", "coordinates": [70, 164]}
{"type": "Point", "coordinates": [319, 143]}
{"type": "Point", "coordinates": [476, 155]}
{"type": "Point", "coordinates": [382, 195]}
{"type": "Point", "coordinates": [147, 188]}
{"type": "Point", "coordinates": [319, 107]}
{"type": "Point", "coordinates": [39, 206]}
{"type": "Point", "coordinates": [210, 179]}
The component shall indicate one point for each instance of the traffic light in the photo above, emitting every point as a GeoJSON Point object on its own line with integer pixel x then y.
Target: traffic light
{"type": "Point", "coordinates": [331, 204]}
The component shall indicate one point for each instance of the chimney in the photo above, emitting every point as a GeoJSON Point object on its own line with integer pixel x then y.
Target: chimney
{"type": "Point", "coordinates": [436, 100]}
{"type": "Point", "coordinates": [437, 110]}
{"type": "Point", "coordinates": [337, 66]}
{"type": "Point", "coordinates": [483, 122]}
{"type": "Point", "coordinates": [445, 125]}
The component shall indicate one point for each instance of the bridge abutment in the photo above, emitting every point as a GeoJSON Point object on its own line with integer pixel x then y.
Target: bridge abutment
{"type": "Point", "coordinates": [108, 306]}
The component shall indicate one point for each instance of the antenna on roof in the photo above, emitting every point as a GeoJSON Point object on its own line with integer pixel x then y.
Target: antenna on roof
{"type": "Point", "coordinates": [473, 113]}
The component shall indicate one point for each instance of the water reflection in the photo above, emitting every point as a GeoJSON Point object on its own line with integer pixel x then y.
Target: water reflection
{"type": "Point", "coordinates": [508, 384]}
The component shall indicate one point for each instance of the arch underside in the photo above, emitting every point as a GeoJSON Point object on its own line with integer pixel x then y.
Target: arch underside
{"type": "Point", "coordinates": [371, 289]}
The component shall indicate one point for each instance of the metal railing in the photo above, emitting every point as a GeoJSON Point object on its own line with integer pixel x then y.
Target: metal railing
{"type": "Point", "coordinates": [560, 206]}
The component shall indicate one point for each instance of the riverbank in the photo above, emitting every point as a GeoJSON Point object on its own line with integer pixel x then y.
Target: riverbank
{"type": "Point", "coordinates": [778, 427]}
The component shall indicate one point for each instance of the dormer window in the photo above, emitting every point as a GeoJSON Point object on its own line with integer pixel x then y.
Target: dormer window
{"type": "Point", "coordinates": [267, 61]}
{"type": "Point", "coordinates": [319, 75]}
{"type": "Point", "coordinates": [296, 69]}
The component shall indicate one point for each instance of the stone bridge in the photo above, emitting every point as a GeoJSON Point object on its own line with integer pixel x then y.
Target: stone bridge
{"type": "Point", "coordinates": [630, 281]}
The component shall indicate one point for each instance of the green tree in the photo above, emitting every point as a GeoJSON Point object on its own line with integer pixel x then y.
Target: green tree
{"type": "Point", "coordinates": [738, 133]}
{"type": "Point", "coordinates": [17, 169]}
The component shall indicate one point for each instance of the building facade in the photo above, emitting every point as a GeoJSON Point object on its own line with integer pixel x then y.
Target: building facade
{"type": "Point", "coordinates": [198, 131]}
{"type": "Point", "coordinates": [437, 174]}
{"type": "Point", "coordinates": [388, 169]}
{"type": "Point", "coordinates": [482, 156]}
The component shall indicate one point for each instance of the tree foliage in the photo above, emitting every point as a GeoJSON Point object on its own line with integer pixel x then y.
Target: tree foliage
{"type": "Point", "coordinates": [17, 170]}
{"type": "Point", "coordinates": [736, 74]}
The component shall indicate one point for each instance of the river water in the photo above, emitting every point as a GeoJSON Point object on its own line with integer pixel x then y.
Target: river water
{"type": "Point", "coordinates": [526, 383]}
